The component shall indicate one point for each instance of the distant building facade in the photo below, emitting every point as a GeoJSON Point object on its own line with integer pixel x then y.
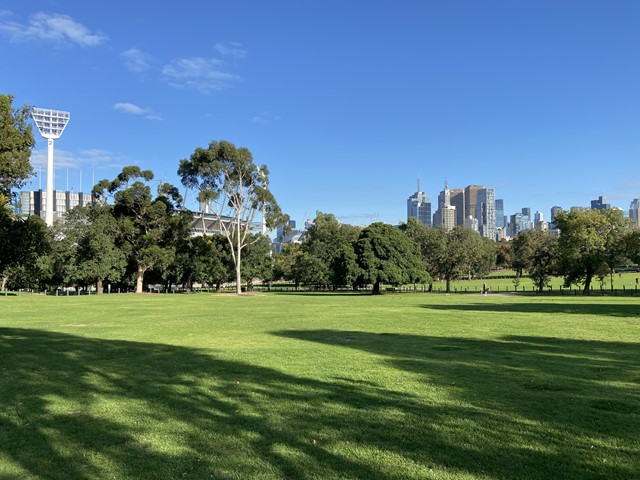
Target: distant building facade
{"type": "Point", "coordinates": [419, 207]}
{"type": "Point", "coordinates": [35, 202]}
{"type": "Point", "coordinates": [634, 212]}
{"type": "Point", "coordinates": [456, 197]}
{"type": "Point", "coordinates": [499, 213]}
{"type": "Point", "coordinates": [470, 200]}
{"type": "Point", "coordinates": [289, 235]}
{"type": "Point", "coordinates": [486, 212]}
{"type": "Point", "coordinates": [600, 203]}
{"type": "Point", "coordinates": [445, 216]}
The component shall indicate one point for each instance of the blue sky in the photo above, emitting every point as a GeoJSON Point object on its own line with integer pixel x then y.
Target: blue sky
{"type": "Point", "coordinates": [347, 102]}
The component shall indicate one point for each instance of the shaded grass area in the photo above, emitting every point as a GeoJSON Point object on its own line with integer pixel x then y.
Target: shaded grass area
{"type": "Point", "coordinates": [314, 386]}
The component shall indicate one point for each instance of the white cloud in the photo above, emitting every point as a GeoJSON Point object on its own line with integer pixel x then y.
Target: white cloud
{"type": "Point", "coordinates": [264, 118]}
{"type": "Point", "coordinates": [136, 60]}
{"type": "Point", "coordinates": [57, 28]}
{"type": "Point", "coordinates": [202, 74]}
{"type": "Point", "coordinates": [95, 158]}
{"type": "Point", "coordinates": [134, 109]}
{"type": "Point", "coordinates": [232, 49]}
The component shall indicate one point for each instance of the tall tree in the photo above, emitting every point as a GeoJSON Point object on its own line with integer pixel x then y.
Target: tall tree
{"type": "Point", "coordinates": [22, 245]}
{"type": "Point", "coordinates": [149, 228]}
{"type": "Point", "coordinates": [590, 244]}
{"type": "Point", "coordinates": [329, 241]}
{"type": "Point", "coordinates": [455, 253]}
{"type": "Point", "coordinates": [16, 143]}
{"type": "Point", "coordinates": [227, 178]}
{"type": "Point", "coordinates": [386, 255]}
{"type": "Point", "coordinates": [536, 252]}
{"type": "Point", "coordinates": [98, 257]}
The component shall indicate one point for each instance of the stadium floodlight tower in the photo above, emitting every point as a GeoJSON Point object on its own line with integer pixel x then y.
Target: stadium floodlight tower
{"type": "Point", "coordinates": [51, 124]}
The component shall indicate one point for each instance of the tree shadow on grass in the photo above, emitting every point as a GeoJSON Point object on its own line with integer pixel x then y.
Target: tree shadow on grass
{"type": "Point", "coordinates": [81, 408]}
{"type": "Point", "coordinates": [524, 407]}
{"type": "Point", "coordinates": [609, 309]}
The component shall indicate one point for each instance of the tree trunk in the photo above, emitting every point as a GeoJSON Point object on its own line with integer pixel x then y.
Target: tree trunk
{"type": "Point", "coordinates": [238, 260]}
{"type": "Point", "coordinates": [448, 280]}
{"type": "Point", "coordinates": [99, 287]}
{"type": "Point", "coordinates": [218, 287]}
{"type": "Point", "coordinates": [587, 284]}
{"type": "Point", "coordinates": [611, 275]}
{"type": "Point", "coordinates": [139, 280]}
{"type": "Point", "coordinates": [3, 283]}
{"type": "Point", "coordinates": [238, 276]}
{"type": "Point", "coordinates": [376, 288]}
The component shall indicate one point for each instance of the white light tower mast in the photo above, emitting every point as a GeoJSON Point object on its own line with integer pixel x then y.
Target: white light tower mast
{"type": "Point", "coordinates": [51, 124]}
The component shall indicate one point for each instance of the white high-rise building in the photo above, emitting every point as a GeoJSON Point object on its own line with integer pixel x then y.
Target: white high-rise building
{"type": "Point", "coordinates": [419, 207]}
{"type": "Point", "coordinates": [538, 217]}
{"type": "Point", "coordinates": [35, 202]}
{"type": "Point", "coordinates": [445, 216]}
{"type": "Point", "coordinates": [486, 212]}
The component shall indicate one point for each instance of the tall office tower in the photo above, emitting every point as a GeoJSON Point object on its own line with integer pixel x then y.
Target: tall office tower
{"type": "Point", "coordinates": [471, 223]}
{"type": "Point", "coordinates": [470, 195]}
{"type": "Point", "coordinates": [499, 213]}
{"type": "Point", "coordinates": [554, 211]}
{"type": "Point", "coordinates": [486, 212]}
{"type": "Point", "coordinates": [634, 212]}
{"type": "Point", "coordinates": [445, 216]}
{"type": "Point", "coordinates": [419, 207]}
{"type": "Point", "coordinates": [600, 203]}
{"type": "Point", "coordinates": [518, 223]}
{"type": "Point", "coordinates": [538, 217]}
{"type": "Point", "coordinates": [527, 211]}
{"type": "Point", "coordinates": [457, 200]}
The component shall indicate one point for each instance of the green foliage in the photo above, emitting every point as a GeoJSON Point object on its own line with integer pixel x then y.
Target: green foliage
{"type": "Point", "coordinates": [536, 252]}
{"type": "Point", "coordinates": [16, 143]}
{"type": "Point", "coordinates": [203, 259]}
{"type": "Point", "coordinates": [148, 229]}
{"type": "Point", "coordinates": [98, 257]}
{"type": "Point", "coordinates": [591, 243]}
{"type": "Point", "coordinates": [284, 263]}
{"type": "Point", "coordinates": [258, 263]}
{"type": "Point", "coordinates": [227, 177]}
{"type": "Point", "coordinates": [386, 255]}
{"type": "Point", "coordinates": [23, 244]}
{"type": "Point", "coordinates": [330, 243]}
{"type": "Point", "coordinates": [452, 254]}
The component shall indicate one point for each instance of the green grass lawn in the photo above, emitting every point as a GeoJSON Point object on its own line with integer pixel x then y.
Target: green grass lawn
{"type": "Point", "coordinates": [319, 386]}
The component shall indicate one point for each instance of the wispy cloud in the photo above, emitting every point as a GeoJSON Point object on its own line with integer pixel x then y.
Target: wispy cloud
{"type": "Point", "coordinates": [95, 158]}
{"type": "Point", "coordinates": [264, 118]}
{"type": "Point", "coordinates": [197, 73]}
{"type": "Point", "coordinates": [134, 109]}
{"type": "Point", "coordinates": [136, 60]}
{"type": "Point", "coordinates": [51, 27]}
{"type": "Point", "coordinates": [232, 50]}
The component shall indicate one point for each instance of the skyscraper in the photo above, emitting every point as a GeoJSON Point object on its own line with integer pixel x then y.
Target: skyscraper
{"type": "Point", "coordinates": [527, 211]}
{"type": "Point", "coordinates": [419, 207]}
{"type": "Point", "coordinates": [445, 216]}
{"type": "Point", "coordinates": [538, 217]}
{"type": "Point", "coordinates": [486, 212]}
{"type": "Point", "coordinates": [457, 200]}
{"type": "Point", "coordinates": [634, 212]}
{"type": "Point", "coordinates": [554, 211]}
{"type": "Point", "coordinates": [600, 203]}
{"type": "Point", "coordinates": [499, 213]}
{"type": "Point", "coordinates": [470, 195]}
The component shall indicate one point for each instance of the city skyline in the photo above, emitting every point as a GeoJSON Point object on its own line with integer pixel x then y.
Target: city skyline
{"type": "Point", "coordinates": [537, 101]}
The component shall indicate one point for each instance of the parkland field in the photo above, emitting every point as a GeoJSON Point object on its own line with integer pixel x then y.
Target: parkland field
{"type": "Point", "coordinates": [319, 386]}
